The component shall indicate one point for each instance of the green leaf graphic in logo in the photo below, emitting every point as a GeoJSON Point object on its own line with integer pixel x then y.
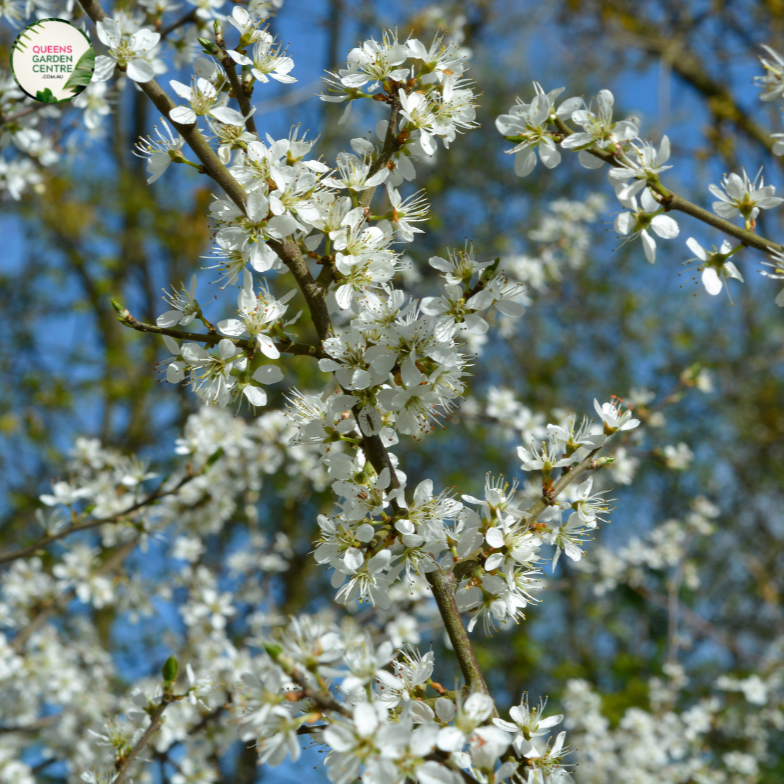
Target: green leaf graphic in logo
{"type": "Point", "coordinates": [33, 29]}
{"type": "Point", "coordinates": [82, 73]}
{"type": "Point", "coordinates": [46, 96]}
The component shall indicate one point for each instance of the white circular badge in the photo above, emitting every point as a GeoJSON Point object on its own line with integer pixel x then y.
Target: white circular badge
{"type": "Point", "coordinates": [52, 60]}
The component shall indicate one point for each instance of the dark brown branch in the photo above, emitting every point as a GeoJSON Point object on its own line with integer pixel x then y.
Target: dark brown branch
{"type": "Point", "coordinates": [213, 339]}
{"type": "Point", "coordinates": [190, 133]}
{"type": "Point", "coordinates": [674, 52]}
{"type": "Point", "coordinates": [376, 453]}
{"type": "Point", "coordinates": [315, 292]}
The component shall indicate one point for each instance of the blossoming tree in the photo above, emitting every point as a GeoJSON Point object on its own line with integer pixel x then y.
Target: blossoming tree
{"type": "Point", "coordinates": [408, 562]}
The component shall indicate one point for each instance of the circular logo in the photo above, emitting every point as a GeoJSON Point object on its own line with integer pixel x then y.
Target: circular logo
{"type": "Point", "coordinates": [52, 61]}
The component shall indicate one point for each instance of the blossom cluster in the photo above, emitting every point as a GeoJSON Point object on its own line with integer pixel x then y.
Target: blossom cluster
{"type": "Point", "coordinates": [663, 548]}
{"type": "Point", "coordinates": [542, 126]}
{"type": "Point", "coordinates": [63, 670]}
{"type": "Point", "coordinates": [383, 533]}
{"type": "Point", "coordinates": [396, 368]}
{"type": "Point", "coordinates": [380, 723]}
{"type": "Point", "coordinates": [661, 743]}
{"type": "Point", "coordinates": [131, 48]}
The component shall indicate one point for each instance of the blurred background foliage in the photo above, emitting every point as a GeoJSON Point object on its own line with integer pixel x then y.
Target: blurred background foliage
{"type": "Point", "coordinates": [98, 231]}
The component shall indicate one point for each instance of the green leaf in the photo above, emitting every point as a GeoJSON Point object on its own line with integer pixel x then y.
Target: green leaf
{"type": "Point", "coordinates": [492, 269]}
{"type": "Point", "coordinates": [82, 73]}
{"type": "Point", "coordinates": [273, 650]}
{"type": "Point", "coordinates": [208, 46]}
{"type": "Point", "coordinates": [33, 29]}
{"type": "Point", "coordinates": [170, 669]}
{"type": "Point", "coordinates": [214, 457]}
{"type": "Point", "coordinates": [45, 96]}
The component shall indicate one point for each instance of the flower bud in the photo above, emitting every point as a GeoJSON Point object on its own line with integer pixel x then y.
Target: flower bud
{"type": "Point", "coordinates": [208, 46]}
{"type": "Point", "coordinates": [218, 27]}
{"type": "Point", "coordinates": [170, 669]}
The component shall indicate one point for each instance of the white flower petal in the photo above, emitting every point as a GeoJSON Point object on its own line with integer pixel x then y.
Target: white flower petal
{"type": "Point", "coordinates": [140, 71]}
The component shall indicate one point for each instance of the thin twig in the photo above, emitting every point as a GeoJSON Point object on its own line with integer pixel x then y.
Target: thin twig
{"type": "Point", "coordinates": [23, 552]}
{"type": "Point", "coordinates": [692, 618]}
{"type": "Point", "coordinates": [672, 201]}
{"type": "Point", "coordinates": [156, 719]}
{"type": "Point", "coordinates": [462, 568]}
{"type": "Point", "coordinates": [115, 559]}
{"type": "Point", "coordinates": [238, 89]}
{"type": "Point", "coordinates": [213, 339]}
{"type": "Point", "coordinates": [183, 20]}
{"type": "Point", "coordinates": [34, 726]}
{"type": "Point", "coordinates": [22, 113]}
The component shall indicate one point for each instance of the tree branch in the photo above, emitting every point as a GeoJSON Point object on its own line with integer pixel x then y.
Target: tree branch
{"type": "Point", "coordinates": [462, 568]}
{"type": "Point", "coordinates": [692, 618]}
{"type": "Point", "coordinates": [672, 201]}
{"type": "Point", "coordinates": [566, 478]}
{"type": "Point", "coordinates": [288, 252]}
{"type": "Point", "coordinates": [315, 295]}
{"type": "Point", "coordinates": [390, 147]}
{"type": "Point", "coordinates": [181, 22]}
{"type": "Point", "coordinates": [444, 585]}
{"type": "Point", "coordinates": [23, 552]}
{"type": "Point", "coordinates": [672, 50]}
{"type": "Point", "coordinates": [190, 133]}
{"type": "Point", "coordinates": [212, 339]}
{"type": "Point", "coordinates": [116, 558]}
{"type": "Point", "coordinates": [22, 113]}
{"type": "Point", "coordinates": [238, 89]}
{"type": "Point", "coordinates": [156, 719]}
{"type": "Point", "coordinates": [34, 726]}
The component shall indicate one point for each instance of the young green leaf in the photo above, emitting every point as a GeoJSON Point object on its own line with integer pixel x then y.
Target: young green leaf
{"type": "Point", "coordinates": [170, 669]}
